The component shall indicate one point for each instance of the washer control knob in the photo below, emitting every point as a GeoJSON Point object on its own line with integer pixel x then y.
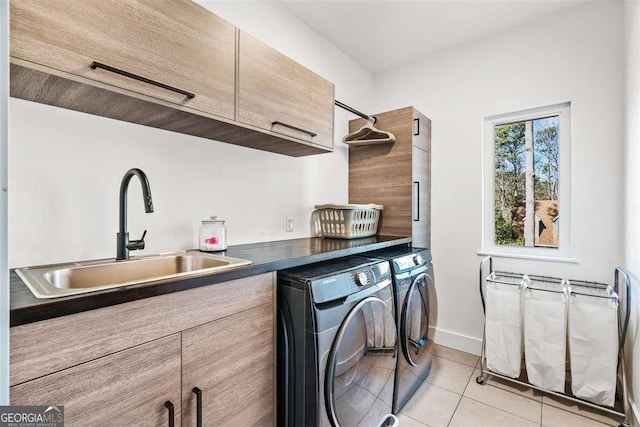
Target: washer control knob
{"type": "Point", "coordinates": [361, 279]}
{"type": "Point", "coordinates": [417, 260]}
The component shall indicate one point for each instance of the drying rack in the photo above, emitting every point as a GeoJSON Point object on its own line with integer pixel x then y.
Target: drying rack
{"type": "Point", "coordinates": [621, 406]}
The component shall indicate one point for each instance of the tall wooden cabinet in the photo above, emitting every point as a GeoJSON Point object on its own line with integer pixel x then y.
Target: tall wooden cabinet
{"type": "Point", "coordinates": [396, 175]}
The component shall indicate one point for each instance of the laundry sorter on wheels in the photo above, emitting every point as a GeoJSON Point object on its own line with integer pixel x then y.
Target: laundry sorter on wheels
{"type": "Point", "coordinates": [562, 337]}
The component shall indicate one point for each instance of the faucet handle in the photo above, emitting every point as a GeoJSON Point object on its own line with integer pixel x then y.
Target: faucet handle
{"type": "Point", "coordinates": [134, 245]}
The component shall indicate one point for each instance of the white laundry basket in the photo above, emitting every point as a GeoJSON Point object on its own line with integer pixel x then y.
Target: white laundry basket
{"type": "Point", "coordinates": [593, 342]}
{"type": "Point", "coordinates": [503, 323]}
{"type": "Point", "coordinates": [347, 221]}
{"type": "Point", "coordinates": [545, 332]}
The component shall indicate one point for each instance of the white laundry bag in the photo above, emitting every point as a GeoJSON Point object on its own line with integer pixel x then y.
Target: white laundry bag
{"type": "Point", "coordinates": [545, 336]}
{"type": "Point", "coordinates": [503, 328]}
{"type": "Point", "coordinates": [593, 346]}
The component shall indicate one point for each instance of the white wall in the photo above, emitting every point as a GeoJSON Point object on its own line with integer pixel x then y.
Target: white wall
{"type": "Point", "coordinates": [65, 167]}
{"type": "Point", "coordinates": [573, 56]}
{"type": "Point", "coordinates": [632, 135]}
{"type": "Point", "coordinates": [632, 189]}
{"type": "Point", "coordinates": [4, 273]}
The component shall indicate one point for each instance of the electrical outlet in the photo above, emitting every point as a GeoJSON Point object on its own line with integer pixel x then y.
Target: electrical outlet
{"type": "Point", "coordinates": [289, 223]}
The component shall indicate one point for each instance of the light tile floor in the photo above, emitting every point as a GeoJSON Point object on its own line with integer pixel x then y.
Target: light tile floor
{"type": "Point", "coordinates": [451, 397]}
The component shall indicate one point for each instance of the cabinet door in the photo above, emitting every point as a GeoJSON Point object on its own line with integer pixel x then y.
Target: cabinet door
{"type": "Point", "coordinates": [176, 43]}
{"type": "Point", "coordinates": [128, 388]}
{"type": "Point", "coordinates": [421, 200]}
{"type": "Point", "coordinates": [278, 94]}
{"type": "Point", "coordinates": [232, 362]}
{"type": "Point", "coordinates": [421, 131]}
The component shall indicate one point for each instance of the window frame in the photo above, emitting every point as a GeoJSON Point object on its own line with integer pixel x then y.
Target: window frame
{"type": "Point", "coordinates": [563, 251]}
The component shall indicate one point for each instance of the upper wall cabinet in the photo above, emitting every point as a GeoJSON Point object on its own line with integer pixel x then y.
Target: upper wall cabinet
{"type": "Point", "coordinates": [171, 50]}
{"type": "Point", "coordinates": [168, 64]}
{"type": "Point", "coordinates": [280, 95]}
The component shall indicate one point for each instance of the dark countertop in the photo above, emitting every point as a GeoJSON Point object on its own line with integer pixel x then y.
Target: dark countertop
{"type": "Point", "coordinates": [266, 257]}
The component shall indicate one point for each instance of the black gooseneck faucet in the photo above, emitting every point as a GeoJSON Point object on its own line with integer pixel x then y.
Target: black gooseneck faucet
{"type": "Point", "coordinates": [124, 244]}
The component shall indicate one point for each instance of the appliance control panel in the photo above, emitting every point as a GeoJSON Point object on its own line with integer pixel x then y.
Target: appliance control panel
{"type": "Point", "coordinates": [343, 284]}
{"type": "Point", "coordinates": [413, 260]}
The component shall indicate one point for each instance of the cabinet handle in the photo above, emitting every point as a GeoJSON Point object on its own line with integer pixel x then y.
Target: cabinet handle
{"type": "Point", "coordinates": [198, 394]}
{"type": "Point", "coordinates": [95, 65]}
{"type": "Point", "coordinates": [172, 418]}
{"type": "Point", "coordinates": [311, 134]}
{"type": "Point", "coordinates": [417, 122]}
{"type": "Point", "coordinates": [416, 198]}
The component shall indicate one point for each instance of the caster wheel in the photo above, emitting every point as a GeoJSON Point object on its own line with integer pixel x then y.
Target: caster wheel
{"type": "Point", "coordinates": [480, 380]}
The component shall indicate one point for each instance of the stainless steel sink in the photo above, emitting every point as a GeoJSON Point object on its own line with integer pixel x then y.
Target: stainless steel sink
{"type": "Point", "coordinates": [51, 281]}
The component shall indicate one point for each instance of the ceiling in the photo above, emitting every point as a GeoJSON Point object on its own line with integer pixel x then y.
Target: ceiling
{"type": "Point", "coordinates": [383, 34]}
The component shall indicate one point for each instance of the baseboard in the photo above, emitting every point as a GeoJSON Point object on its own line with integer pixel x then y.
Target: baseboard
{"type": "Point", "coordinates": [456, 341]}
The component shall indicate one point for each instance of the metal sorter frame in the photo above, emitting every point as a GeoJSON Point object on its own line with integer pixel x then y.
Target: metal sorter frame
{"type": "Point", "coordinates": [621, 407]}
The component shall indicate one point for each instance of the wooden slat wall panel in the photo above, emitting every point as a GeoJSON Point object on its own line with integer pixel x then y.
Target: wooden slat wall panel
{"type": "Point", "coordinates": [40, 348]}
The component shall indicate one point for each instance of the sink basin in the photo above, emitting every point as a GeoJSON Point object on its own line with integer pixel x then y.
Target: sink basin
{"type": "Point", "coordinates": [53, 281]}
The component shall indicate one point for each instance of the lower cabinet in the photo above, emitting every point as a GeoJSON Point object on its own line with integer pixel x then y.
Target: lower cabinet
{"type": "Point", "coordinates": [128, 388]}
{"type": "Point", "coordinates": [229, 361]}
{"type": "Point", "coordinates": [230, 365]}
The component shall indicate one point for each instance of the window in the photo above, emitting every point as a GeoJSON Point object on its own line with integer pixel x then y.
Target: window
{"type": "Point", "coordinates": [526, 203]}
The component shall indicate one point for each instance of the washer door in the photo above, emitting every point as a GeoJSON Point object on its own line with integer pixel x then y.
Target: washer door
{"type": "Point", "coordinates": [361, 362]}
{"type": "Point", "coordinates": [414, 320]}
